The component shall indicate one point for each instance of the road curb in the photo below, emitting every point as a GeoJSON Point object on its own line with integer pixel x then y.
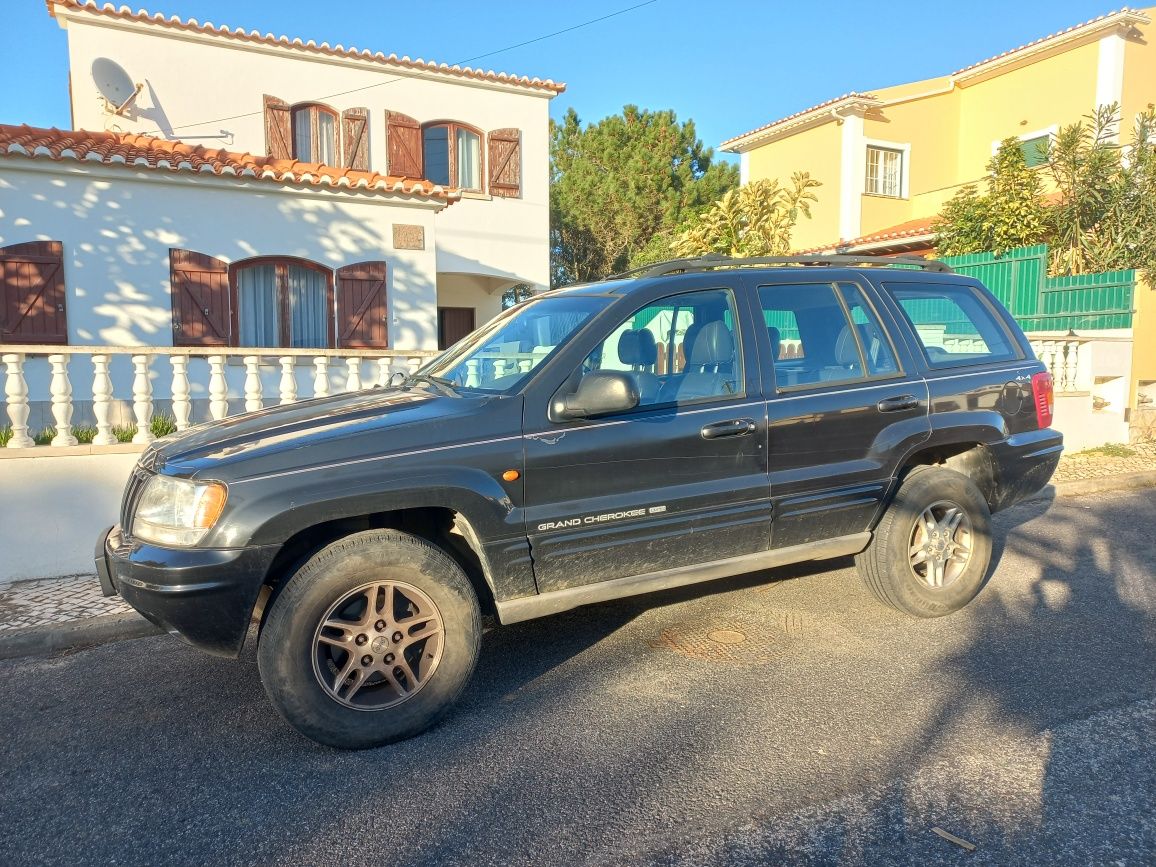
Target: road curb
{"type": "Point", "coordinates": [106, 629]}
{"type": "Point", "coordinates": [1118, 482]}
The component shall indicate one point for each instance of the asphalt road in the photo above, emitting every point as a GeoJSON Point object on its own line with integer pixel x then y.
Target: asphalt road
{"type": "Point", "coordinates": [836, 731]}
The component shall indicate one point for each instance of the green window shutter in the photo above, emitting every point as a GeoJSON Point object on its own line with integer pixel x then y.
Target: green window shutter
{"type": "Point", "coordinates": [1035, 150]}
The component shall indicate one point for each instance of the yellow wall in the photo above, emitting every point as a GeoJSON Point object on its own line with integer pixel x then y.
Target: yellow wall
{"type": "Point", "coordinates": [817, 151]}
{"type": "Point", "coordinates": [1143, 338]}
{"type": "Point", "coordinates": [1056, 90]}
{"type": "Point", "coordinates": [1139, 76]}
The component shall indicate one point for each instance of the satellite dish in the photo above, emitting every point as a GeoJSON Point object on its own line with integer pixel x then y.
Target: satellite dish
{"type": "Point", "coordinates": [116, 88]}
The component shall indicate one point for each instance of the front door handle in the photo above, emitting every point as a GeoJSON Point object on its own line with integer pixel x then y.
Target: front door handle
{"type": "Point", "coordinates": [897, 404]}
{"type": "Point", "coordinates": [738, 427]}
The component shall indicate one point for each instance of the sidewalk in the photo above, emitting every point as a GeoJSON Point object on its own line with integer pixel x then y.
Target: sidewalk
{"type": "Point", "coordinates": [56, 614]}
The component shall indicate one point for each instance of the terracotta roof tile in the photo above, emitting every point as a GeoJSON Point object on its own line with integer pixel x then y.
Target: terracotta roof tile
{"type": "Point", "coordinates": [1124, 14]}
{"type": "Point", "coordinates": [174, 22]}
{"type": "Point", "coordinates": [141, 151]}
{"type": "Point", "coordinates": [916, 228]}
{"type": "Point", "coordinates": [783, 121]}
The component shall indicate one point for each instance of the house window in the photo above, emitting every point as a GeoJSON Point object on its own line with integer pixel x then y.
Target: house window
{"type": "Point", "coordinates": [1035, 149]}
{"type": "Point", "coordinates": [884, 171]}
{"type": "Point", "coordinates": [283, 302]}
{"type": "Point", "coordinates": [452, 154]}
{"type": "Point", "coordinates": [315, 134]}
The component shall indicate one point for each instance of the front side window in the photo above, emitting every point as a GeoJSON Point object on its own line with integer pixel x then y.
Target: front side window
{"type": "Point", "coordinates": [501, 355]}
{"type": "Point", "coordinates": [682, 349]}
{"type": "Point", "coordinates": [283, 303]}
{"type": "Point", "coordinates": [884, 172]}
{"type": "Point", "coordinates": [315, 134]}
{"type": "Point", "coordinates": [823, 334]}
{"type": "Point", "coordinates": [953, 324]}
{"type": "Point", "coordinates": [452, 154]}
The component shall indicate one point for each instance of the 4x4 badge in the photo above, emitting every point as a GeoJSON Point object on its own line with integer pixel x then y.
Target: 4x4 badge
{"type": "Point", "coordinates": [548, 439]}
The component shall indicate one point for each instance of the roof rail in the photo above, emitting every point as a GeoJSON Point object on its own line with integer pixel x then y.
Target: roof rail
{"type": "Point", "coordinates": [718, 260]}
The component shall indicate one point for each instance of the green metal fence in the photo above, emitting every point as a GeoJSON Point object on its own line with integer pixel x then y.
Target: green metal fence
{"type": "Point", "coordinates": [1086, 302]}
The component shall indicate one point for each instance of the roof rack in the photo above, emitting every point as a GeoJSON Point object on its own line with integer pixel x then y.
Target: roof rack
{"type": "Point", "coordinates": [718, 260]}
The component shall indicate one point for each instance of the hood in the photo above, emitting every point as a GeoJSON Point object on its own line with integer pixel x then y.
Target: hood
{"type": "Point", "coordinates": [318, 431]}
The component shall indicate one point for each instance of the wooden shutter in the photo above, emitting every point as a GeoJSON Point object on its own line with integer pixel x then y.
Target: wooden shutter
{"type": "Point", "coordinates": [202, 302]}
{"type": "Point", "coordinates": [32, 302]}
{"type": "Point", "coordinates": [355, 138]}
{"type": "Point", "coordinates": [506, 163]}
{"type": "Point", "coordinates": [278, 128]}
{"type": "Point", "coordinates": [402, 145]}
{"type": "Point", "coordinates": [362, 311]}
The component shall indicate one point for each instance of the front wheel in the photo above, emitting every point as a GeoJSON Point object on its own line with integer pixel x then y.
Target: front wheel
{"type": "Point", "coordinates": [371, 641]}
{"type": "Point", "coordinates": [931, 551]}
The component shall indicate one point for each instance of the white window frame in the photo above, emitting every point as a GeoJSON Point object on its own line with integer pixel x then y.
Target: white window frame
{"type": "Point", "coordinates": [1049, 131]}
{"type": "Point", "coordinates": [904, 149]}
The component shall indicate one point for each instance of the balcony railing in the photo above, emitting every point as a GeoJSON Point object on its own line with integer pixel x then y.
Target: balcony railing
{"type": "Point", "coordinates": [110, 390]}
{"type": "Point", "coordinates": [114, 389]}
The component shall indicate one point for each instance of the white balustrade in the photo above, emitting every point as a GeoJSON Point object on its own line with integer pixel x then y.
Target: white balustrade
{"type": "Point", "coordinates": [288, 384]}
{"type": "Point", "coordinates": [321, 377]}
{"type": "Point", "coordinates": [61, 389]}
{"type": "Point", "coordinates": [48, 369]}
{"type": "Point", "coordinates": [142, 400]}
{"type": "Point", "coordinates": [253, 401]}
{"type": "Point", "coordinates": [1062, 357]}
{"type": "Point", "coordinates": [182, 405]}
{"type": "Point", "coordinates": [102, 401]}
{"type": "Point", "coordinates": [353, 378]}
{"type": "Point", "coordinates": [218, 388]}
{"type": "Point", "coordinates": [16, 396]}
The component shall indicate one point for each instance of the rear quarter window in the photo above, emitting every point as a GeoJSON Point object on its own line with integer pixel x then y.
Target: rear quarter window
{"type": "Point", "coordinates": [954, 324]}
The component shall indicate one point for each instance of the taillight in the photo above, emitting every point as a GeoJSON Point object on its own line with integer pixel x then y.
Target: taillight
{"type": "Point", "coordinates": [1045, 399]}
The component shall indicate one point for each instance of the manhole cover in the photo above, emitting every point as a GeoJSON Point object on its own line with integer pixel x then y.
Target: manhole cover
{"type": "Point", "coordinates": [727, 636]}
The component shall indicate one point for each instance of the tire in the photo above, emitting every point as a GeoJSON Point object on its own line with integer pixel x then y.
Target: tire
{"type": "Point", "coordinates": [372, 678]}
{"type": "Point", "coordinates": [892, 567]}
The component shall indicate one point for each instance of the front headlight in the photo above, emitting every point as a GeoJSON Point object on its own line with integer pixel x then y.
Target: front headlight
{"type": "Point", "coordinates": [178, 512]}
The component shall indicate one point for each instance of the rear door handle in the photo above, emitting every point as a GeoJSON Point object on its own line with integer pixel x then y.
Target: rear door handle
{"type": "Point", "coordinates": [897, 404]}
{"type": "Point", "coordinates": [738, 427]}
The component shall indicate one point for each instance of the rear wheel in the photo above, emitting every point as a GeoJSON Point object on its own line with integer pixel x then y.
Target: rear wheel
{"type": "Point", "coordinates": [371, 641]}
{"type": "Point", "coordinates": [932, 548]}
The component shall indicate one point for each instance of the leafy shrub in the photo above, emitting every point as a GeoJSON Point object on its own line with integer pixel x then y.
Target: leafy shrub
{"type": "Point", "coordinates": [5, 435]}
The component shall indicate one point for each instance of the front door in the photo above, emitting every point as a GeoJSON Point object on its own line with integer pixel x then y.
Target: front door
{"type": "Point", "coordinates": [454, 323]}
{"type": "Point", "coordinates": [681, 479]}
{"type": "Point", "coordinates": [843, 401]}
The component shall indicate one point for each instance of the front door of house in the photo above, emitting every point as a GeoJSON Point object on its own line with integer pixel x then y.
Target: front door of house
{"type": "Point", "coordinates": [454, 323]}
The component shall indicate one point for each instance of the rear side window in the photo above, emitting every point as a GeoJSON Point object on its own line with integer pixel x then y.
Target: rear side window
{"type": "Point", "coordinates": [823, 335]}
{"type": "Point", "coordinates": [954, 324]}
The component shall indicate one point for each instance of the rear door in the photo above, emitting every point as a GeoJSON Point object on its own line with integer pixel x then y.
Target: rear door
{"type": "Point", "coordinates": [844, 401]}
{"type": "Point", "coordinates": [678, 481]}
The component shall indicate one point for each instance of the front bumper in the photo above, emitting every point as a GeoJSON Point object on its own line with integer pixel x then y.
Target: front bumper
{"type": "Point", "coordinates": [205, 596]}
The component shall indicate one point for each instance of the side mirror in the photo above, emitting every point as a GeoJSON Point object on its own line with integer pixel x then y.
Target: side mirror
{"type": "Point", "coordinates": [600, 392]}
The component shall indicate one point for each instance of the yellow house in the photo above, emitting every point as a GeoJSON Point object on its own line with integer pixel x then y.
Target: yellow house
{"type": "Point", "coordinates": [890, 158]}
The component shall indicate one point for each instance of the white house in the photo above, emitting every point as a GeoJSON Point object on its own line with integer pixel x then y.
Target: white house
{"type": "Point", "coordinates": [237, 219]}
{"type": "Point", "coordinates": [232, 194]}
{"type": "Point", "coordinates": [298, 160]}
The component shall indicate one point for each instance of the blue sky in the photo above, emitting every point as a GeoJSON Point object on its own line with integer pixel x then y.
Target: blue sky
{"type": "Point", "coordinates": [729, 66]}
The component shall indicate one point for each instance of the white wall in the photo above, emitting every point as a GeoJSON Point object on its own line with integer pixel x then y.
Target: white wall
{"type": "Point", "coordinates": [54, 507]}
{"type": "Point", "coordinates": [465, 290]}
{"type": "Point", "coordinates": [192, 79]}
{"type": "Point", "coordinates": [117, 226]}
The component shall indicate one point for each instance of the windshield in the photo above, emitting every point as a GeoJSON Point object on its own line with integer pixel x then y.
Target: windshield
{"type": "Point", "coordinates": [500, 355]}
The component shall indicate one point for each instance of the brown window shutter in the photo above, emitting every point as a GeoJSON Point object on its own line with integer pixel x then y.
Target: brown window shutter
{"type": "Point", "coordinates": [278, 128]}
{"type": "Point", "coordinates": [202, 302]}
{"type": "Point", "coordinates": [355, 138]}
{"type": "Point", "coordinates": [362, 311]}
{"type": "Point", "coordinates": [403, 145]}
{"type": "Point", "coordinates": [506, 163]}
{"type": "Point", "coordinates": [32, 299]}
